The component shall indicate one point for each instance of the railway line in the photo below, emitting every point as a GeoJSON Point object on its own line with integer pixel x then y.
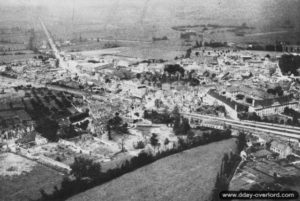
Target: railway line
{"type": "Point", "coordinates": [281, 130]}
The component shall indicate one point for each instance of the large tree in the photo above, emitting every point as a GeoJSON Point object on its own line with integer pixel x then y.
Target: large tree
{"type": "Point", "coordinates": [289, 64]}
{"type": "Point", "coordinates": [117, 124]}
{"type": "Point", "coordinates": [83, 167]}
{"type": "Point", "coordinates": [181, 125]}
{"type": "Point", "coordinates": [173, 68]}
{"type": "Point", "coordinates": [154, 140]}
{"type": "Point", "coordinates": [48, 129]}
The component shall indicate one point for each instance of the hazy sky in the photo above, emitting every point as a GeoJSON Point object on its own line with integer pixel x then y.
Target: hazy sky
{"type": "Point", "coordinates": [266, 15]}
{"type": "Point", "coordinates": [254, 11]}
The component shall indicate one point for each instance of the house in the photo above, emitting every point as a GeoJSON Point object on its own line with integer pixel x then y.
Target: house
{"type": "Point", "coordinates": [140, 68]}
{"type": "Point", "coordinates": [282, 149]}
{"type": "Point", "coordinates": [92, 67]}
{"type": "Point", "coordinates": [12, 118]}
{"type": "Point", "coordinates": [211, 60]}
{"type": "Point", "coordinates": [166, 86]}
{"type": "Point", "coordinates": [243, 155]}
{"type": "Point", "coordinates": [155, 67]}
{"type": "Point", "coordinates": [24, 117]}
{"type": "Point", "coordinates": [64, 122]}
{"type": "Point", "coordinates": [5, 107]}
{"type": "Point", "coordinates": [134, 89]}
{"type": "Point", "coordinates": [26, 138]}
{"type": "Point", "coordinates": [39, 140]}
{"type": "Point", "coordinates": [261, 141]}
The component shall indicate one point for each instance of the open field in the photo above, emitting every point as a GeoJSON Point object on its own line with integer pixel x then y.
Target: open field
{"type": "Point", "coordinates": [12, 165]}
{"type": "Point", "coordinates": [100, 52]}
{"type": "Point", "coordinates": [189, 175]}
{"type": "Point", "coordinates": [11, 58]}
{"type": "Point", "coordinates": [166, 52]}
{"type": "Point", "coordinates": [90, 45]}
{"type": "Point", "coordinates": [163, 50]}
{"type": "Point", "coordinates": [143, 19]}
{"type": "Point", "coordinates": [26, 185]}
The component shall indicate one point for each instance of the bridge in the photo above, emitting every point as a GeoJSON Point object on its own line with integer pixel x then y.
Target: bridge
{"type": "Point", "coordinates": [273, 129]}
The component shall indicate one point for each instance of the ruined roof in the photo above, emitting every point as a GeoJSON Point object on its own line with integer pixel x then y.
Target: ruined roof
{"type": "Point", "coordinates": [278, 145]}
{"type": "Point", "coordinates": [228, 101]}
{"type": "Point", "coordinates": [284, 100]}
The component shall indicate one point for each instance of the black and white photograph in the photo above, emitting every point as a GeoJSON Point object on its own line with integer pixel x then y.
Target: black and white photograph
{"type": "Point", "coordinates": [149, 100]}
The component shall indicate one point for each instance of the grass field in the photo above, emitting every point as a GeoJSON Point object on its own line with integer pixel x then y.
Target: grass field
{"type": "Point", "coordinates": [11, 58]}
{"type": "Point", "coordinates": [161, 50]}
{"type": "Point", "coordinates": [186, 176]}
{"type": "Point", "coordinates": [26, 186]}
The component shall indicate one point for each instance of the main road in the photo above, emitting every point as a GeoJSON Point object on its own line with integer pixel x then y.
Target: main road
{"type": "Point", "coordinates": [62, 63]}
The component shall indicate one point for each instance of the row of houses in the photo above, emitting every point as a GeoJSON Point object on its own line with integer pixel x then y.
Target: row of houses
{"type": "Point", "coordinates": [272, 106]}
{"type": "Point", "coordinates": [263, 107]}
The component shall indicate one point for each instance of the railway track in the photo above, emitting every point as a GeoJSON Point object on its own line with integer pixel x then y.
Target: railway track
{"type": "Point", "coordinates": [275, 129]}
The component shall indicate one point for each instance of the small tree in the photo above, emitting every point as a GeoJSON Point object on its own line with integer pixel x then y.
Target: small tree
{"type": "Point", "coordinates": [188, 53]}
{"type": "Point", "coordinates": [117, 124]}
{"type": "Point", "coordinates": [190, 136]}
{"type": "Point", "coordinates": [122, 145]}
{"type": "Point", "coordinates": [272, 71]}
{"type": "Point", "coordinates": [242, 141]}
{"type": "Point", "coordinates": [138, 76]}
{"type": "Point", "coordinates": [139, 145]}
{"type": "Point", "coordinates": [276, 120]}
{"type": "Point", "coordinates": [286, 110]}
{"type": "Point", "coordinates": [109, 132]}
{"type": "Point", "coordinates": [154, 140]}
{"type": "Point", "coordinates": [295, 120]}
{"type": "Point", "coordinates": [158, 103]}
{"type": "Point", "coordinates": [185, 126]}
{"type": "Point", "coordinates": [176, 116]}
{"type": "Point", "coordinates": [166, 142]}
{"type": "Point", "coordinates": [181, 143]}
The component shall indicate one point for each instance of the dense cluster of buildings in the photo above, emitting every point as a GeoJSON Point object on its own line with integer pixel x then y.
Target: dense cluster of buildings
{"type": "Point", "coordinates": [88, 91]}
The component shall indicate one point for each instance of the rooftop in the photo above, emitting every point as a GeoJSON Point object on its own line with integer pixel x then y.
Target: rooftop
{"type": "Point", "coordinates": [228, 101]}
{"type": "Point", "coordinates": [279, 145]}
{"type": "Point", "coordinates": [274, 101]}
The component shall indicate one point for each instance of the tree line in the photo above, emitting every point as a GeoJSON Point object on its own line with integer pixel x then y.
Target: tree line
{"type": "Point", "coordinates": [229, 164]}
{"type": "Point", "coordinates": [172, 73]}
{"type": "Point", "coordinates": [86, 174]}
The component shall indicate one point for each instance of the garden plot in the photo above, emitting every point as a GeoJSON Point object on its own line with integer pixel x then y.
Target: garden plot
{"type": "Point", "coordinates": [12, 164]}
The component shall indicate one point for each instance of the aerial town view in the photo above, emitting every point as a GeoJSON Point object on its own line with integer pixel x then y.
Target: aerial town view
{"type": "Point", "coordinates": [149, 100]}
